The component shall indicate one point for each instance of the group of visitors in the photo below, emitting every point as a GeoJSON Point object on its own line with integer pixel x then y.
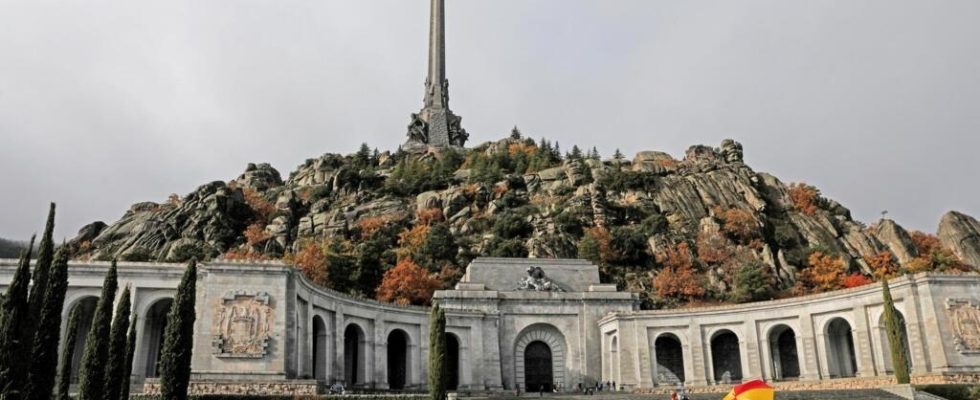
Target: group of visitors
{"type": "Point", "coordinates": [598, 387]}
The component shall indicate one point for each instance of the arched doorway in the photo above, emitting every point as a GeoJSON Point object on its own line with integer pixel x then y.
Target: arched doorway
{"type": "Point", "coordinates": [452, 361]}
{"type": "Point", "coordinates": [726, 357]}
{"type": "Point", "coordinates": [353, 355]}
{"type": "Point", "coordinates": [537, 367]}
{"type": "Point", "coordinates": [782, 348]}
{"type": "Point", "coordinates": [670, 360]}
{"type": "Point", "coordinates": [614, 360]}
{"type": "Point", "coordinates": [841, 362]}
{"type": "Point", "coordinates": [554, 341]}
{"type": "Point", "coordinates": [319, 349]}
{"type": "Point", "coordinates": [397, 359]}
{"type": "Point", "coordinates": [154, 326]}
{"type": "Point", "coordinates": [86, 309]}
{"type": "Point", "coordinates": [886, 350]}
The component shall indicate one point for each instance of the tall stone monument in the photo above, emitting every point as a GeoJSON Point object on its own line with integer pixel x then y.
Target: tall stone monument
{"type": "Point", "coordinates": [436, 125]}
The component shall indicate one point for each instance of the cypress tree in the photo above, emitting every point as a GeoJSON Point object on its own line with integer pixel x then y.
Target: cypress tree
{"type": "Point", "coordinates": [178, 342]}
{"type": "Point", "coordinates": [91, 385]}
{"type": "Point", "coordinates": [44, 363]}
{"type": "Point", "coordinates": [130, 352]}
{"type": "Point", "coordinates": [14, 313]}
{"type": "Point", "coordinates": [896, 336]}
{"type": "Point", "coordinates": [64, 378]}
{"type": "Point", "coordinates": [437, 354]}
{"type": "Point", "coordinates": [45, 255]}
{"type": "Point", "coordinates": [116, 367]}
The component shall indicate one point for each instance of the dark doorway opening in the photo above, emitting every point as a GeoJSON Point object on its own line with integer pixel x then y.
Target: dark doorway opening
{"type": "Point", "coordinates": [397, 359]}
{"type": "Point", "coordinates": [156, 325]}
{"type": "Point", "coordinates": [452, 362]}
{"type": "Point", "coordinates": [785, 360]}
{"type": "Point", "coordinates": [537, 367]}
{"type": "Point", "coordinates": [726, 357]}
{"type": "Point", "coordinates": [670, 360]}
{"type": "Point", "coordinates": [353, 336]}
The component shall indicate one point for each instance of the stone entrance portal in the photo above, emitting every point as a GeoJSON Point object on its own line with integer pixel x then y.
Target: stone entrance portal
{"type": "Point", "coordinates": [537, 367]}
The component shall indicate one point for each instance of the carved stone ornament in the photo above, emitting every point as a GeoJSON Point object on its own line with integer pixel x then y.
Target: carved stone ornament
{"type": "Point", "coordinates": [243, 324]}
{"type": "Point", "coordinates": [964, 316]}
{"type": "Point", "coordinates": [535, 281]}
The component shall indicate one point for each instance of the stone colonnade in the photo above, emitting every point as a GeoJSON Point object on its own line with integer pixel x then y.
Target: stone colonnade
{"type": "Point", "coordinates": [831, 335]}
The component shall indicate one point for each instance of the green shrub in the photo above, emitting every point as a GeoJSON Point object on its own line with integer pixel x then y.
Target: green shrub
{"type": "Point", "coordinates": [509, 226]}
{"type": "Point", "coordinates": [507, 248]}
{"type": "Point", "coordinates": [952, 392]}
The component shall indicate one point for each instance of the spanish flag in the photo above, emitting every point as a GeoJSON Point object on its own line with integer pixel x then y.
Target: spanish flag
{"type": "Point", "coordinates": [752, 390]}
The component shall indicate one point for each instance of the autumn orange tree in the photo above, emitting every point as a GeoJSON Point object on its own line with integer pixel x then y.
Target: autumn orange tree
{"type": "Point", "coordinates": [312, 262]}
{"type": "Point", "coordinates": [738, 224]}
{"type": "Point", "coordinates": [824, 272]}
{"type": "Point", "coordinates": [804, 197]}
{"type": "Point", "coordinates": [855, 280]}
{"type": "Point", "coordinates": [408, 283]}
{"type": "Point", "coordinates": [678, 279]}
{"type": "Point", "coordinates": [883, 265]}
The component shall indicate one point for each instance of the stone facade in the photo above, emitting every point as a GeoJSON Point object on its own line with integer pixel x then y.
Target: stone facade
{"type": "Point", "coordinates": [531, 323]}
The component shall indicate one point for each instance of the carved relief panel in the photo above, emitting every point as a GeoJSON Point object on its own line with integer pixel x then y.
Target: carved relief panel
{"type": "Point", "coordinates": [964, 316]}
{"type": "Point", "coordinates": [243, 325]}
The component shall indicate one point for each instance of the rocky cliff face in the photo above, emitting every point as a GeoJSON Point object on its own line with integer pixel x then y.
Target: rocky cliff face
{"type": "Point", "coordinates": [961, 233]}
{"type": "Point", "coordinates": [515, 198]}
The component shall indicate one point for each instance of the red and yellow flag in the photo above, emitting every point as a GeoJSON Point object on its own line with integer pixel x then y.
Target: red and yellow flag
{"type": "Point", "coordinates": [752, 390]}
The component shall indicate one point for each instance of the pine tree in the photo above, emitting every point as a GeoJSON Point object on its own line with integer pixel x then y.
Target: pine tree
{"type": "Point", "coordinates": [437, 354]}
{"type": "Point", "coordinates": [515, 134]}
{"type": "Point", "coordinates": [91, 384]}
{"type": "Point", "coordinates": [43, 368]}
{"type": "Point", "coordinates": [896, 335]}
{"type": "Point", "coordinates": [130, 352]}
{"type": "Point", "coordinates": [178, 342]}
{"type": "Point", "coordinates": [64, 378]}
{"type": "Point", "coordinates": [594, 154]}
{"type": "Point", "coordinates": [362, 159]}
{"type": "Point", "coordinates": [576, 153]}
{"type": "Point", "coordinates": [14, 313]}
{"type": "Point", "coordinates": [116, 367]}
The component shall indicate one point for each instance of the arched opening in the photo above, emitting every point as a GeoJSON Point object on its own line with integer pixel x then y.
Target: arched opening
{"type": "Point", "coordinates": [886, 350]}
{"type": "Point", "coordinates": [726, 357]}
{"type": "Point", "coordinates": [353, 355]}
{"type": "Point", "coordinates": [397, 359]}
{"type": "Point", "coordinates": [537, 367]}
{"type": "Point", "coordinates": [86, 311]}
{"type": "Point", "coordinates": [319, 349]}
{"type": "Point", "coordinates": [841, 362]}
{"type": "Point", "coordinates": [452, 361]}
{"type": "Point", "coordinates": [785, 359]}
{"type": "Point", "coordinates": [154, 326]}
{"type": "Point", "coordinates": [670, 360]}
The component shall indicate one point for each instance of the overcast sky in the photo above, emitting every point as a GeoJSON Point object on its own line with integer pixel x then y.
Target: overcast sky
{"type": "Point", "coordinates": [104, 103]}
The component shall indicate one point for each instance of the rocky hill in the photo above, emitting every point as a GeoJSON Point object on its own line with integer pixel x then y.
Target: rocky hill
{"type": "Point", "coordinates": [707, 220]}
{"type": "Point", "coordinates": [11, 248]}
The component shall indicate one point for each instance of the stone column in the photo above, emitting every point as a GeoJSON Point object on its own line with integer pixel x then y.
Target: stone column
{"type": "Point", "coordinates": [378, 344]}
{"type": "Point", "coordinates": [695, 357]}
{"type": "Point", "coordinates": [806, 344]}
{"type": "Point", "coordinates": [643, 356]}
{"type": "Point", "coordinates": [862, 343]}
{"type": "Point", "coordinates": [751, 362]}
{"type": "Point", "coordinates": [913, 327]}
{"type": "Point", "coordinates": [339, 373]}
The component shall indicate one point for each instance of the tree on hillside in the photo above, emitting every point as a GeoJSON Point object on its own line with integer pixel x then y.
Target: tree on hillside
{"type": "Point", "coordinates": [44, 362]}
{"type": "Point", "coordinates": [896, 335]}
{"type": "Point", "coordinates": [71, 335]}
{"type": "Point", "coordinates": [678, 279]}
{"type": "Point", "coordinates": [116, 367]}
{"type": "Point", "coordinates": [178, 342]}
{"type": "Point", "coordinates": [91, 385]}
{"type": "Point", "coordinates": [752, 283]}
{"type": "Point", "coordinates": [408, 283]}
{"type": "Point", "coordinates": [13, 317]}
{"type": "Point", "coordinates": [437, 354]}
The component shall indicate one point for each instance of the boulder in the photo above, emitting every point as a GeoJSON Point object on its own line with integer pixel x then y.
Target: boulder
{"type": "Point", "coordinates": [961, 234]}
{"type": "Point", "coordinates": [259, 177]}
{"type": "Point", "coordinates": [896, 239]}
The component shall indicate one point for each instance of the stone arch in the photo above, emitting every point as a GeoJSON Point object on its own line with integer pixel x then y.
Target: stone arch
{"type": "Point", "coordinates": [614, 359]}
{"type": "Point", "coordinates": [784, 357]}
{"type": "Point", "coordinates": [726, 356]}
{"type": "Point", "coordinates": [841, 362]}
{"type": "Point", "coordinates": [669, 360]}
{"type": "Point", "coordinates": [452, 361]}
{"type": "Point", "coordinates": [885, 345]}
{"type": "Point", "coordinates": [154, 322]}
{"type": "Point", "coordinates": [398, 359]}
{"type": "Point", "coordinates": [355, 352]}
{"type": "Point", "coordinates": [549, 336]}
{"type": "Point", "coordinates": [86, 306]}
{"type": "Point", "coordinates": [320, 356]}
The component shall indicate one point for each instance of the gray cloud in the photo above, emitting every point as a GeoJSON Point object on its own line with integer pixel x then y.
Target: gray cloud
{"type": "Point", "coordinates": [106, 103]}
